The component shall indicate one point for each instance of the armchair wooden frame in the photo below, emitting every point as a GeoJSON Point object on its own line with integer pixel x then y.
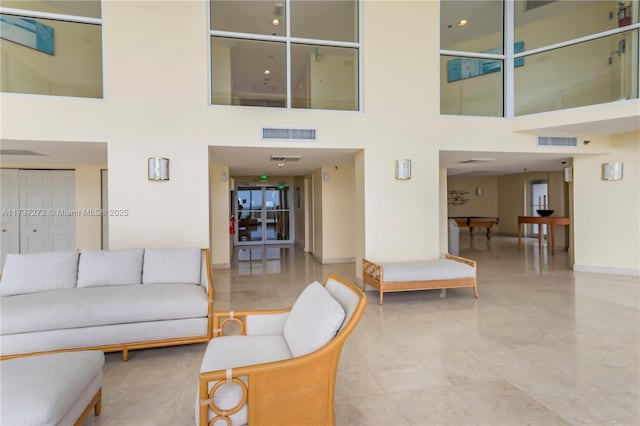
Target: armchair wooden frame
{"type": "Point", "coordinates": [297, 391]}
{"type": "Point", "coordinates": [125, 347]}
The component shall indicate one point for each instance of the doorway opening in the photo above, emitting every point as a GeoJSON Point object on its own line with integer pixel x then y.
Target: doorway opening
{"type": "Point", "coordinates": [264, 214]}
{"type": "Point", "coordinates": [538, 200]}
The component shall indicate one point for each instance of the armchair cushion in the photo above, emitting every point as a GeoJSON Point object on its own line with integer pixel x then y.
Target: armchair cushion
{"type": "Point", "coordinates": [106, 268]}
{"type": "Point", "coordinates": [35, 272]}
{"type": "Point", "coordinates": [166, 266]}
{"type": "Point", "coordinates": [266, 324]}
{"type": "Point", "coordinates": [314, 320]}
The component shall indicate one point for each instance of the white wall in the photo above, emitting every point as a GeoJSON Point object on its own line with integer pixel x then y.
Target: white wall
{"type": "Point", "coordinates": [155, 104]}
{"type": "Point", "coordinates": [221, 211]}
{"type": "Point", "coordinates": [338, 215]}
{"type": "Point", "coordinates": [478, 205]}
{"type": "Point", "coordinates": [607, 219]}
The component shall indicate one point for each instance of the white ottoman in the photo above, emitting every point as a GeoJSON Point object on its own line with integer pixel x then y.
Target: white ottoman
{"type": "Point", "coordinates": [55, 389]}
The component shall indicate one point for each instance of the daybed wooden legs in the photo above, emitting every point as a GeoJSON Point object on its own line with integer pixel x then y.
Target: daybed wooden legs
{"type": "Point", "coordinates": [475, 290]}
{"type": "Point", "coordinates": [95, 405]}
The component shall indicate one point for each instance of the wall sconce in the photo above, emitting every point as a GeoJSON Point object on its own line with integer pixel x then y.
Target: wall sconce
{"type": "Point", "coordinates": [568, 174]}
{"type": "Point", "coordinates": [479, 191]}
{"type": "Point", "coordinates": [325, 176]}
{"type": "Point", "coordinates": [158, 169]}
{"type": "Point", "coordinates": [224, 176]}
{"type": "Point", "coordinates": [612, 171]}
{"type": "Point", "coordinates": [403, 169]}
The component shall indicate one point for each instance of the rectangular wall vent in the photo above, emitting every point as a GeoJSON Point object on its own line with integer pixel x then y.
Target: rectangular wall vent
{"type": "Point", "coordinates": [557, 141]}
{"type": "Point", "coordinates": [280, 158]}
{"type": "Point", "coordinates": [271, 133]}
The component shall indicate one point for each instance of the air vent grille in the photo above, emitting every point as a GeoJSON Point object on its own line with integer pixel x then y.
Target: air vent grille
{"type": "Point", "coordinates": [280, 158]}
{"type": "Point", "coordinates": [271, 133]}
{"type": "Point", "coordinates": [557, 141]}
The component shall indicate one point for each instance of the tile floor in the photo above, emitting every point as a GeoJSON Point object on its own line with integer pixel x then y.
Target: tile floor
{"type": "Point", "coordinates": [542, 346]}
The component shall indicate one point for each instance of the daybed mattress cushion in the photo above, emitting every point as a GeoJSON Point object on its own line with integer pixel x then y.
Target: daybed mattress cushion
{"type": "Point", "coordinates": [315, 318]}
{"type": "Point", "coordinates": [440, 269]}
{"type": "Point", "coordinates": [35, 272]}
{"type": "Point", "coordinates": [104, 268]}
{"type": "Point", "coordinates": [163, 266]}
{"type": "Point", "coordinates": [234, 352]}
{"type": "Point", "coordinates": [41, 390]}
{"type": "Point", "coordinates": [94, 306]}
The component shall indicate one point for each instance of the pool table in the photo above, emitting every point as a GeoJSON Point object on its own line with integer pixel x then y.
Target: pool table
{"type": "Point", "coordinates": [476, 222]}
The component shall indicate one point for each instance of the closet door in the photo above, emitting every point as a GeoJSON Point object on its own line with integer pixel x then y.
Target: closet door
{"type": "Point", "coordinates": [34, 206]}
{"type": "Point", "coordinates": [10, 221]}
{"type": "Point", "coordinates": [47, 199]}
{"type": "Point", "coordinates": [62, 225]}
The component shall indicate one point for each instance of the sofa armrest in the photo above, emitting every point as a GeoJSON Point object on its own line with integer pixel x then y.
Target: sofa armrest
{"type": "Point", "coordinates": [262, 322]}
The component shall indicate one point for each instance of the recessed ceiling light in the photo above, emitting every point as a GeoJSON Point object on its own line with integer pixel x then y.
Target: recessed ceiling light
{"type": "Point", "coordinates": [275, 22]}
{"type": "Point", "coordinates": [463, 22]}
{"type": "Point", "coordinates": [267, 72]}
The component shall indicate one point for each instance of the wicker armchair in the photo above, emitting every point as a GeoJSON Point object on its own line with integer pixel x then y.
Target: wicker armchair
{"type": "Point", "coordinates": [271, 382]}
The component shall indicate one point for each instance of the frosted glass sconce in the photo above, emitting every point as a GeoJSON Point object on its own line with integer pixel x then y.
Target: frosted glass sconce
{"type": "Point", "coordinates": [158, 169]}
{"type": "Point", "coordinates": [479, 191]}
{"type": "Point", "coordinates": [403, 169]}
{"type": "Point", "coordinates": [612, 171]}
{"type": "Point", "coordinates": [568, 174]}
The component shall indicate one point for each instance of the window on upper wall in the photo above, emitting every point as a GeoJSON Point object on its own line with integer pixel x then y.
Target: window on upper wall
{"type": "Point", "coordinates": [566, 54]}
{"type": "Point", "coordinates": [311, 60]}
{"type": "Point", "coordinates": [471, 85]}
{"type": "Point", "coordinates": [51, 47]}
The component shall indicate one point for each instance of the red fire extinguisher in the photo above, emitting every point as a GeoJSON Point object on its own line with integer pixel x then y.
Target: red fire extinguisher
{"type": "Point", "coordinates": [232, 225]}
{"type": "Point", "coordinates": [624, 14]}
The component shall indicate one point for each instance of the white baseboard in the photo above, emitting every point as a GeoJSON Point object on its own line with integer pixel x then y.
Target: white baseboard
{"type": "Point", "coordinates": [334, 260]}
{"type": "Point", "coordinates": [606, 270]}
{"type": "Point", "coordinates": [220, 265]}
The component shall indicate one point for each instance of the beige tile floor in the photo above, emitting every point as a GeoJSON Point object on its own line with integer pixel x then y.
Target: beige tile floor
{"type": "Point", "coordinates": [542, 346]}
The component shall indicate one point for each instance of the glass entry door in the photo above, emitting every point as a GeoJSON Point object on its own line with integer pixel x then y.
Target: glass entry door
{"type": "Point", "coordinates": [264, 214]}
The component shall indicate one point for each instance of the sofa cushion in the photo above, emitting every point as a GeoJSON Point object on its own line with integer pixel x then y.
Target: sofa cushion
{"type": "Point", "coordinates": [314, 320]}
{"type": "Point", "coordinates": [234, 352]}
{"type": "Point", "coordinates": [104, 268]}
{"type": "Point", "coordinates": [95, 306]}
{"type": "Point", "coordinates": [439, 269]}
{"type": "Point", "coordinates": [181, 265]}
{"type": "Point", "coordinates": [34, 272]}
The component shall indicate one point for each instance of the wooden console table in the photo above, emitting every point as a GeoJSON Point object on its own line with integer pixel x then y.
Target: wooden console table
{"type": "Point", "coordinates": [552, 221]}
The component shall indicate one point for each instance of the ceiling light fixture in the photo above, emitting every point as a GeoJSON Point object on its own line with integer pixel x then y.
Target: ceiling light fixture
{"type": "Point", "coordinates": [267, 72]}
{"type": "Point", "coordinates": [275, 22]}
{"type": "Point", "coordinates": [463, 22]}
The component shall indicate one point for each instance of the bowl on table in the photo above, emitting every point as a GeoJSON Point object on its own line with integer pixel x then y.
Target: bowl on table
{"type": "Point", "coordinates": [545, 212]}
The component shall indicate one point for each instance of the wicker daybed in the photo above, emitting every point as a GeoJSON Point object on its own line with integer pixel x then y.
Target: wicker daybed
{"type": "Point", "coordinates": [450, 272]}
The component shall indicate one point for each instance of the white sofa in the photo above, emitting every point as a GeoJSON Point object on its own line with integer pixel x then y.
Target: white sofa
{"type": "Point", "coordinates": [113, 301]}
